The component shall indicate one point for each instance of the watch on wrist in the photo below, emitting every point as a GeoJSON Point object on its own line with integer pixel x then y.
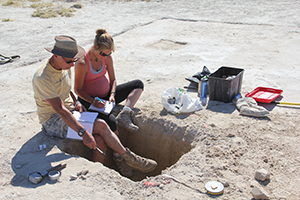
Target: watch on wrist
{"type": "Point", "coordinates": [81, 132]}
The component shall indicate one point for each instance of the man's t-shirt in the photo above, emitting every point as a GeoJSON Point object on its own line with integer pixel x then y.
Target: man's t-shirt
{"type": "Point", "coordinates": [49, 83]}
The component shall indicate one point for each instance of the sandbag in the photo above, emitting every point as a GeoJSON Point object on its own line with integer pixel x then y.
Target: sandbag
{"type": "Point", "coordinates": [248, 106]}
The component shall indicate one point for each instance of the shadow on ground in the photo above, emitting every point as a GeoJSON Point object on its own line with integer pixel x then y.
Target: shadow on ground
{"type": "Point", "coordinates": [28, 159]}
{"type": "Point", "coordinates": [220, 107]}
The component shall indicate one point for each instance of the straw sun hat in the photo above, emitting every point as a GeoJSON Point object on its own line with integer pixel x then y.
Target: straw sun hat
{"type": "Point", "coordinates": [67, 47]}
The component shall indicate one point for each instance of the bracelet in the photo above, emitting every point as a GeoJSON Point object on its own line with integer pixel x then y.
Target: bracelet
{"type": "Point", "coordinates": [77, 102]}
{"type": "Point", "coordinates": [113, 93]}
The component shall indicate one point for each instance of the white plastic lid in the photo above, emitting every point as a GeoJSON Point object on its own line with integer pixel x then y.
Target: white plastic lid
{"type": "Point", "coordinates": [214, 187]}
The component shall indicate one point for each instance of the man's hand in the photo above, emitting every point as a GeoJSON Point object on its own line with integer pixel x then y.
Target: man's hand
{"type": "Point", "coordinates": [80, 108]}
{"type": "Point", "coordinates": [88, 140]}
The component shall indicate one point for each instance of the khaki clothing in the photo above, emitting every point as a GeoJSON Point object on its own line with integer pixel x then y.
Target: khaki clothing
{"type": "Point", "coordinates": [49, 83]}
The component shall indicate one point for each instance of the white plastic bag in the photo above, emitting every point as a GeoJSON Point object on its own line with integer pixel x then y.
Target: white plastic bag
{"type": "Point", "coordinates": [178, 101]}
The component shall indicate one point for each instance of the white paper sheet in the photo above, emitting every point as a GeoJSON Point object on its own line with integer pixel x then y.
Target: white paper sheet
{"type": "Point", "coordinates": [106, 110]}
{"type": "Point", "coordinates": [86, 119]}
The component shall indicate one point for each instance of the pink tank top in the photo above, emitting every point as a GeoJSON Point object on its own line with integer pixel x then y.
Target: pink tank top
{"type": "Point", "coordinates": [95, 83]}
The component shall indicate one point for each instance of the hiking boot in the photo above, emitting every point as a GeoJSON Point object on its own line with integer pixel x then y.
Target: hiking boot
{"type": "Point", "coordinates": [123, 167]}
{"type": "Point", "coordinates": [138, 163]}
{"type": "Point", "coordinates": [124, 120]}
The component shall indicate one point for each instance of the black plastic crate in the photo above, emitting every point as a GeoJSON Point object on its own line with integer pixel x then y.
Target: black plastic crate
{"type": "Point", "coordinates": [224, 90]}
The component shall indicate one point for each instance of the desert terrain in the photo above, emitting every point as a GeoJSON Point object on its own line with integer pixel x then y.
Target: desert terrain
{"type": "Point", "coordinates": [162, 42]}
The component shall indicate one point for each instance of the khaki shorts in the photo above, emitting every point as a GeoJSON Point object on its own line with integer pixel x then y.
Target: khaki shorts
{"type": "Point", "coordinates": [55, 127]}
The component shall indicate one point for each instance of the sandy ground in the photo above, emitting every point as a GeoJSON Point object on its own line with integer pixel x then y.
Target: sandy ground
{"type": "Point", "coordinates": [162, 42]}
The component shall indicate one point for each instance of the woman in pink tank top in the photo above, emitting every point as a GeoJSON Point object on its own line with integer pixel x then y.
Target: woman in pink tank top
{"type": "Point", "coordinates": [91, 81]}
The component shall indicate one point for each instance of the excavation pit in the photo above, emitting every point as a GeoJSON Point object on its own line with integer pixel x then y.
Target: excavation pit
{"type": "Point", "coordinates": [157, 139]}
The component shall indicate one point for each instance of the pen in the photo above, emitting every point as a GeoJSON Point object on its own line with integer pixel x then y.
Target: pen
{"type": "Point", "coordinates": [100, 151]}
{"type": "Point", "coordinates": [100, 100]}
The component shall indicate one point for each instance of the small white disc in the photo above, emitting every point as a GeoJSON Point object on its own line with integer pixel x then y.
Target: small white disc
{"type": "Point", "coordinates": [214, 187]}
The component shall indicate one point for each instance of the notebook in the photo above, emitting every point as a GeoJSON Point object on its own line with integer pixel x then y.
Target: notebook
{"type": "Point", "coordinates": [86, 119]}
{"type": "Point", "coordinates": [105, 110]}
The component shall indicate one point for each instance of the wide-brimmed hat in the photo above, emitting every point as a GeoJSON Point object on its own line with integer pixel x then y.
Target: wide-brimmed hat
{"type": "Point", "coordinates": [67, 47]}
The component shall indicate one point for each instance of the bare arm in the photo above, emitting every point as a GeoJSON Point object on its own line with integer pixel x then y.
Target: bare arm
{"type": "Point", "coordinates": [78, 106]}
{"type": "Point", "coordinates": [80, 71]}
{"type": "Point", "coordinates": [69, 119]}
{"type": "Point", "coordinates": [112, 77]}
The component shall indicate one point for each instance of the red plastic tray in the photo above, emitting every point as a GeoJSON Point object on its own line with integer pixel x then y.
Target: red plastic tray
{"type": "Point", "coordinates": [264, 95]}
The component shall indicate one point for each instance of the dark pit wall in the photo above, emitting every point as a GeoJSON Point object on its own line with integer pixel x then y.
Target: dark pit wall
{"type": "Point", "coordinates": [163, 141]}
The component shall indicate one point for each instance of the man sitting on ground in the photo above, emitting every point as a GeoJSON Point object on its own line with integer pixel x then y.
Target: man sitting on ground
{"type": "Point", "coordinates": [55, 103]}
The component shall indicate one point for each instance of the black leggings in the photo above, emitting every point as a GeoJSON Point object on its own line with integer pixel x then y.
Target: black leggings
{"type": "Point", "coordinates": [122, 92]}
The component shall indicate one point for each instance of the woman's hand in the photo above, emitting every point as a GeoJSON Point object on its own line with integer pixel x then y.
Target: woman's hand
{"type": "Point", "coordinates": [112, 98]}
{"type": "Point", "coordinates": [99, 104]}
